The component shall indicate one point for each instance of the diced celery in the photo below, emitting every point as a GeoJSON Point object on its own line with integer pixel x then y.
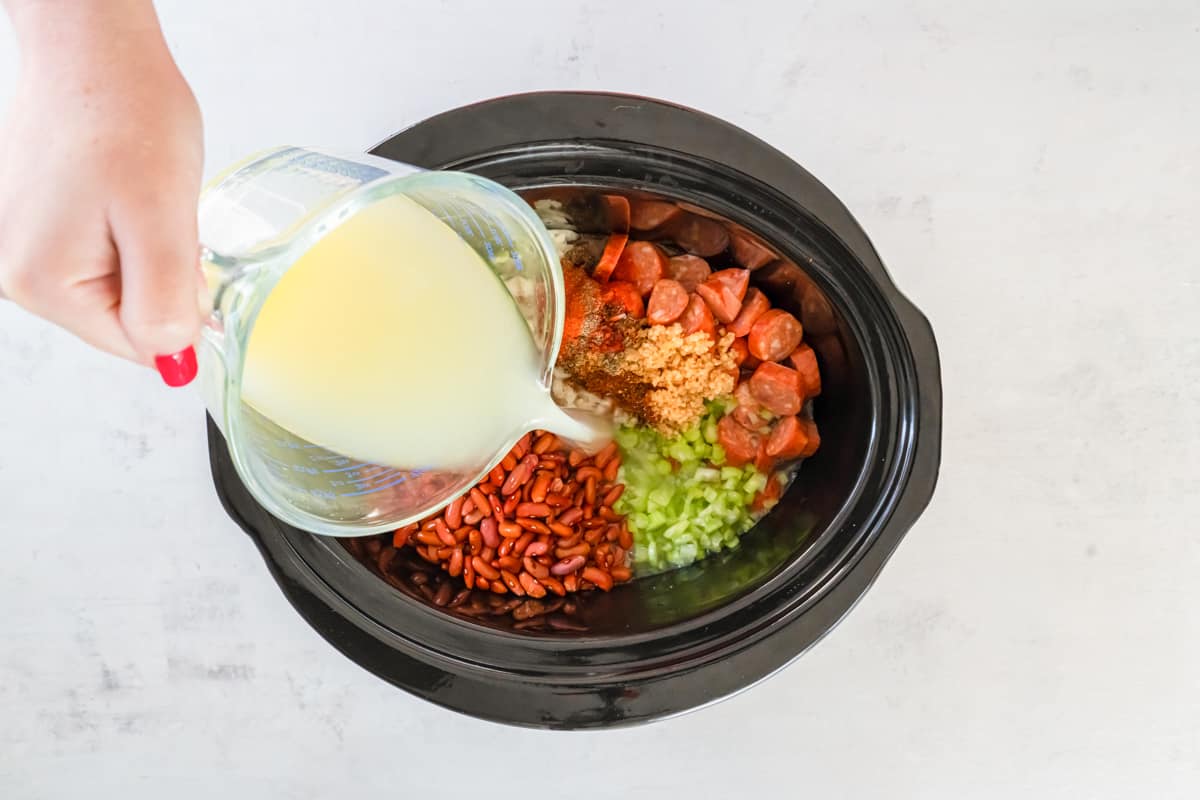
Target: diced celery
{"type": "Point", "coordinates": [681, 501]}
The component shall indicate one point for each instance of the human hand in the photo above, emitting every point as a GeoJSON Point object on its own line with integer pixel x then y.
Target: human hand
{"type": "Point", "coordinates": [101, 155]}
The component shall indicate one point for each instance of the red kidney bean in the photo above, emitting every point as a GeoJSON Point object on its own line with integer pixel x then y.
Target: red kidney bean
{"type": "Point", "coordinates": [456, 563]}
{"type": "Point", "coordinates": [567, 565]}
{"type": "Point", "coordinates": [490, 532]}
{"type": "Point", "coordinates": [541, 486]}
{"type": "Point", "coordinates": [533, 510]}
{"type": "Point", "coordinates": [496, 505]}
{"type": "Point", "coordinates": [610, 472]}
{"type": "Point", "coordinates": [557, 501]}
{"type": "Point", "coordinates": [535, 569]}
{"type": "Point", "coordinates": [604, 456]}
{"type": "Point", "coordinates": [520, 474]}
{"type": "Point", "coordinates": [537, 549]}
{"type": "Point", "coordinates": [510, 530]}
{"type": "Point", "coordinates": [553, 585]}
{"type": "Point", "coordinates": [484, 569]}
{"type": "Point", "coordinates": [614, 494]}
{"type": "Point", "coordinates": [531, 586]}
{"type": "Point", "coordinates": [454, 513]}
{"type": "Point", "coordinates": [545, 443]}
{"type": "Point", "coordinates": [533, 525]}
{"type": "Point", "coordinates": [520, 545]}
{"type": "Point", "coordinates": [428, 537]}
{"type": "Point", "coordinates": [583, 473]}
{"type": "Point", "coordinates": [570, 516]}
{"type": "Point", "coordinates": [599, 577]}
{"type": "Point", "coordinates": [581, 549]}
{"type": "Point", "coordinates": [512, 583]}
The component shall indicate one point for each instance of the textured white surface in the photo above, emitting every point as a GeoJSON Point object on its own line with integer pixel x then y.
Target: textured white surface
{"type": "Point", "coordinates": [1029, 171]}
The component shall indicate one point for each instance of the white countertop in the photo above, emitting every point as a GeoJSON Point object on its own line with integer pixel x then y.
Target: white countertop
{"type": "Point", "coordinates": [1030, 172]}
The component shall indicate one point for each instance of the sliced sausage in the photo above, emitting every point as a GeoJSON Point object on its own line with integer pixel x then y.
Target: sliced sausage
{"type": "Point", "coordinates": [804, 361]}
{"type": "Point", "coordinates": [788, 439]}
{"type": "Point", "coordinates": [740, 350]}
{"type": "Point", "coordinates": [689, 270]}
{"type": "Point", "coordinates": [777, 388]}
{"type": "Point", "coordinates": [611, 255]}
{"type": "Point", "coordinates": [774, 335]}
{"type": "Point", "coordinates": [697, 317]}
{"type": "Point", "coordinates": [740, 445]}
{"type": "Point", "coordinates": [748, 411]}
{"type": "Point", "coordinates": [646, 215]}
{"type": "Point", "coordinates": [626, 295]}
{"type": "Point", "coordinates": [754, 306]}
{"type": "Point", "coordinates": [720, 298]}
{"type": "Point", "coordinates": [700, 236]}
{"type": "Point", "coordinates": [668, 299]}
{"type": "Point", "coordinates": [642, 264]}
{"type": "Point", "coordinates": [764, 462]}
{"type": "Point", "coordinates": [618, 212]}
{"type": "Point", "coordinates": [814, 437]}
{"type": "Point", "coordinates": [749, 253]}
{"type": "Point", "coordinates": [736, 279]}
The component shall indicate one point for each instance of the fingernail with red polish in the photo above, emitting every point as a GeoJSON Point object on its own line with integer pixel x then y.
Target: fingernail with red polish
{"type": "Point", "coordinates": [178, 369]}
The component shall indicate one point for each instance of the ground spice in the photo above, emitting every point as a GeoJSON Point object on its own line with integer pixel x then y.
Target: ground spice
{"type": "Point", "coordinates": [656, 373]}
{"type": "Point", "coordinates": [682, 371]}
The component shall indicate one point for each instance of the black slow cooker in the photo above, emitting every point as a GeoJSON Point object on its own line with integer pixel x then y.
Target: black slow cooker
{"type": "Point", "coordinates": [676, 641]}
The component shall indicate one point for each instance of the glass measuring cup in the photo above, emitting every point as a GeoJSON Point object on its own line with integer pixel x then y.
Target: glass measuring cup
{"type": "Point", "coordinates": [257, 219]}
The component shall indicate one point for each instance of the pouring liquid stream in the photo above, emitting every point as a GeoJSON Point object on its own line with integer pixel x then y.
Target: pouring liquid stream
{"type": "Point", "coordinates": [393, 342]}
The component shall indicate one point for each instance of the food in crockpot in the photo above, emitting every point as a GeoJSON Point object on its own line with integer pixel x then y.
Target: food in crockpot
{"type": "Point", "coordinates": [709, 384]}
{"type": "Point", "coordinates": [714, 384]}
{"type": "Point", "coordinates": [541, 523]}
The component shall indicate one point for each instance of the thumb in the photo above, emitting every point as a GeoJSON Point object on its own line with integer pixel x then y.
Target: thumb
{"type": "Point", "coordinates": [158, 249]}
